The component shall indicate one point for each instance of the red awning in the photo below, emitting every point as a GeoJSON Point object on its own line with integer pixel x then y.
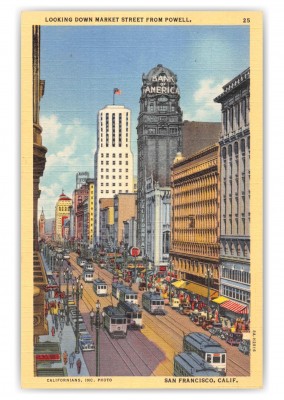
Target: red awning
{"type": "Point", "coordinates": [163, 268]}
{"type": "Point", "coordinates": [235, 307]}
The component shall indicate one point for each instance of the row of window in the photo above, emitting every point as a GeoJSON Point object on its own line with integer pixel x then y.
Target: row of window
{"type": "Point", "coordinates": [107, 170]}
{"type": "Point", "coordinates": [113, 115]}
{"type": "Point", "coordinates": [236, 275]}
{"type": "Point", "coordinates": [114, 155]}
{"type": "Point", "coordinates": [113, 184]}
{"type": "Point", "coordinates": [114, 191]}
{"type": "Point", "coordinates": [63, 208]}
{"type": "Point", "coordinates": [113, 177]}
{"type": "Point", "coordinates": [114, 163]}
{"type": "Point", "coordinates": [234, 293]}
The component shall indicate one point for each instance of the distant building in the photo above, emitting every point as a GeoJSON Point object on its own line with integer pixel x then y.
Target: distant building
{"type": "Point", "coordinates": [41, 225]}
{"type": "Point", "coordinates": [61, 213]}
{"type": "Point", "coordinates": [107, 222]}
{"type": "Point", "coordinates": [159, 136]}
{"type": "Point", "coordinates": [199, 135]}
{"type": "Point", "coordinates": [158, 219]}
{"type": "Point", "coordinates": [91, 211]}
{"type": "Point", "coordinates": [130, 233]}
{"type": "Point", "coordinates": [113, 158]}
{"type": "Point", "coordinates": [81, 179]}
{"type": "Point", "coordinates": [235, 192]}
{"type": "Point", "coordinates": [124, 208]}
{"type": "Point", "coordinates": [79, 195]}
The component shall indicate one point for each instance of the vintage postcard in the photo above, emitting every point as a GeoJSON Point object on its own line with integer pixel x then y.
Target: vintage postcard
{"type": "Point", "coordinates": [141, 199]}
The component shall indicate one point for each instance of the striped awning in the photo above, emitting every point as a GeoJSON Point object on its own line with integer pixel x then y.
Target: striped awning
{"type": "Point", "coordinates": [220, 300]}
{"type": "Point", "coordinates": [235, 307]}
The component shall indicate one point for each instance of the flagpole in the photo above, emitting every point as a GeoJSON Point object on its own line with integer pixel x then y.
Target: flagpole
{"type": "Point", "coordinates": [113, 97]}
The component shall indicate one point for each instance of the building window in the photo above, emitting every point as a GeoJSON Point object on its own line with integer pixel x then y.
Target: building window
{"type": "Point", "coordinates": [120, 155]}
{"type": "Point", "coordinates": [113, 191]}
{"type": "Point", "coordinates": [102, 163]}
{"type": "Point", "coordinates": [113, 177]}
{"type": "Point", "coordinates": [126, 162]}
{"type": "Point", "coordinates": [113, 163]}
{"type": "Point", "coordinates": [120, 162]}
{"type": "Point", "coordinates": [107, 162]}
{"type": "Point", "coordinates": [102, 170]}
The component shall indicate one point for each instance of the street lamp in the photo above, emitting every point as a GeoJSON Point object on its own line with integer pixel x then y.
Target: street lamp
{"type": "Point", "coordinates": [60, 264]}
{"type": "Point", "coordinates": [146, 262]}
{"type": "Point", "coordinates": [208, 276]}
{"type": "Point", "coordinates": [170, 286]}
{"type": "Point", "coordinates": [98, 323]}
{"type": "Point", "coordinates": [77, 314]}
{"type": "Point", "coordinates": [92, 316]}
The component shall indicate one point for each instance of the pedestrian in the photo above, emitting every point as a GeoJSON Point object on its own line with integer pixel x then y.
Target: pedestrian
{"type": "Point", "coordinates": [73, 291]}
{"type": "Point", "coordinates": [60, 334]}
{"type": "Point", "coordinates": [79, 364]}
{"type": "Point", "coordinates": [65, 357]}
{"type": "Point", "coordinates": [81, 290]}
{"type": "Point", "coordinates": [53, 330]}
{"type": "Point", "coordinates": [64, 277]}
{"type": "Point", "coordinates": [72, 357]}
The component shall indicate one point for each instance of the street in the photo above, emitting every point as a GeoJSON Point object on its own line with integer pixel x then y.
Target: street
{"type": "Point", "coordinates": [147, 352]}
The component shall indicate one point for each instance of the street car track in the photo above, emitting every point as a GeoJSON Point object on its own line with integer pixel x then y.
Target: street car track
{"type": "Point", "coordinates": [125, 348]}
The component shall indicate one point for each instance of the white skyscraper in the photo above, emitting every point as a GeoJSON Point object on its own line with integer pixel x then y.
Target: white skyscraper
{"type": "Point", "coordinates": [113, 158]}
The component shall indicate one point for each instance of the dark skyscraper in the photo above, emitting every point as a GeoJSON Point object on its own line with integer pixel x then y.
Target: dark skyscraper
{"type": "Point", "coordinates": [159, 135]}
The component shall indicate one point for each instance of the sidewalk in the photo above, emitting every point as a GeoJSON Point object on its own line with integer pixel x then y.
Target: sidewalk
{"type": "Point", "coordinates": [66, 339]}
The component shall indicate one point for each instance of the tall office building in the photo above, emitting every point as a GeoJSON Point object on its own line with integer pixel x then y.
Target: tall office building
{"type": "Point", "coordinates": [159, 136]}
{"type": "Point", "coordinates": [113, 158]}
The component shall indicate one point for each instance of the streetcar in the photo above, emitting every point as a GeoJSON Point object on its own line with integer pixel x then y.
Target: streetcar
{"type": "Point", "coordinates": [127, 294]}
{"type": "Point", "coordinates": [153, 303]}
{"type": "Point", "coordinates": [207, 348]}
{"type": "Point", "coordinates": [88, 276]}
{"type": "Point", "coordinates": [100, 287]}
{"type": "Point", "coordinates": [115, 289]}
{"type": "Point", "coordinates": [115, 322]}
{"type": "Point", "coordinates": [191, 364]}
{"type": "Point", "coordinates": [88, 267]}
{"type": "Point", "coordinates": [132, 313]}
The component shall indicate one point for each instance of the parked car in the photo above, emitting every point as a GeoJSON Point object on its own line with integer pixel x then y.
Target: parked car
{"type": "Point", "coordinates": [244, 346]}
{"type": "Point", "coordinates": [86, 342]}
{"type": "Point", "coordinates": [82, 262]}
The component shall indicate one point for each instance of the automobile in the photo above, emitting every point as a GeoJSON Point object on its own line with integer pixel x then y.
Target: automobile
{"type": "Point", "coordinates": [66, 255]}
{"type": "Point", "coordinates": [86, 342]}
{"type": "Point", "coordinates": [185, 310]}
{"type": "Point", "coordinates": [81, 322]}
{"type": "Point", "coordinates": [244, 346]}
{"type": "Point", "coordinates": [82, 262]}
